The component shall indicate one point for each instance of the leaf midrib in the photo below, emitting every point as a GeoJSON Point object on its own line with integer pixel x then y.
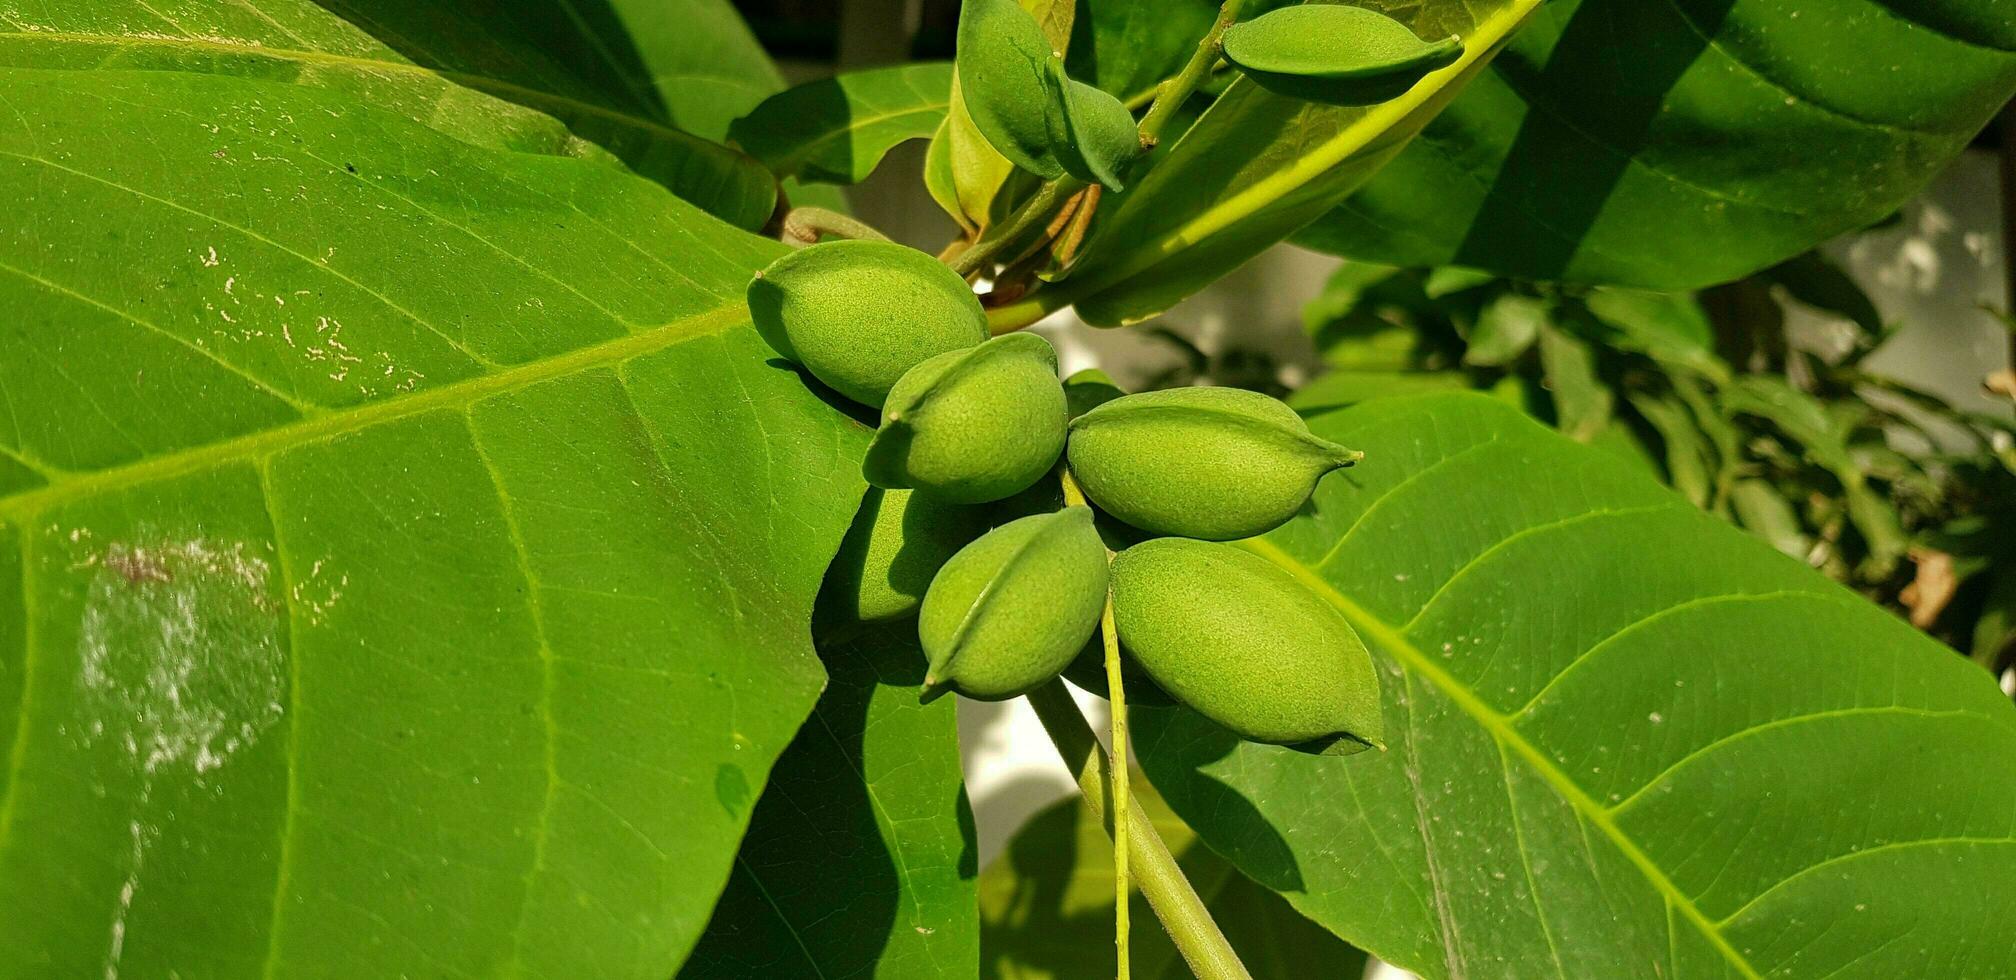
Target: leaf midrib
{"type": "Point", "coordinates": [1494, 723]}
{"type": "Point", "coordinates": [482, 83]}
{"type": "Point", "coordinates": [18, 507]}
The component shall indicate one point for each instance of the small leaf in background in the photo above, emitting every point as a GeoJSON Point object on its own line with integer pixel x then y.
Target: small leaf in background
{"type": "Point", "coordinates": [1823, 435]}
{"type": "Point", "coordinates": [1687, 454]}
{"type": "Point", "coordinates": [1505, 328]}
{"type": "Point", "coordinates": [1582, 402]}
{"type": "Point", "coordinates": [1372, 317]}
{"type": "Point", "coordinates": [838, 129]}
{"type": "Point", "coordinates": [1448, 280]}
{"type": "Point", "coordinates": [1795, 413]}
{"type": "Point", "coordinates": [1335, 54]}
{"type": "Point", "coordinates": [859, 857]}
{"type": "Point", "coordinates": [1046, 907]}
{"type": "Point", "coordinates": [1003, 61]}
{"type": "Point", "coordinates": [1764, 511]}
{"type": "Point", "coordinates": [1670, 328]}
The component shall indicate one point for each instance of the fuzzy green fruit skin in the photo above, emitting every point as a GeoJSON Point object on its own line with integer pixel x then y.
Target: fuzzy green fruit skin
{"type": "Point", "coordinates": [974, 425]}
{"type": "Point", "coordinates": [1239, 640]}
{"type": "Point", "coordinates": [1210, 463]}
{"type": "Point", "coordinates": [897, 543]}
{"type": "Point", "coordinates": [1335, 54]}
{"type": "Point", "coordinates": [1010, 610]}
{"type": "Point", "coordinates": [858, 314]}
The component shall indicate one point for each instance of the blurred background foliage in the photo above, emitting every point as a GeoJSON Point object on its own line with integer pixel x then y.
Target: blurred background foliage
{"type": "Point", "coordinates": [1884, 486]}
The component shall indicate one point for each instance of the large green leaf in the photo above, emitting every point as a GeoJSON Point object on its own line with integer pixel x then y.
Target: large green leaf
{"type": "Point", "coordinates": [1678, 143]}
{"type": "Point", "coordinates": [1127, 46]}
{"type": "Point", "coordinates": [859, 860]}
{"type": "Point", "coordinates": [1047, 907]}
{"type": "Point", "coordinates": [491, 79]}
{"type": "Point", "coordinates": [1627, 739]}
{"type": "Point", "coordinates": [405, 545]}
{"type": "Point", "coordinates": [695, 59]}
{"type": "Point", "coordinates": [838, 129]}
{"type": "Point", "coordinates": [1257, 166]}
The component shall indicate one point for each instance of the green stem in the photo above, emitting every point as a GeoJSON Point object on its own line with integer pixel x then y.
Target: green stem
{"type": "Point", "coordinates": [1183, 914]}
{"type": "Point", "coordinates": [1033, 214]}
{"type": "Point", "coordinates": [1122, 796]}
{"type": "Point", "coordinates": [1176, 90]}
{"type": "Point", "coordinates": [804, 226]}
{"type": "Point", "coordinates": [1116, 696]}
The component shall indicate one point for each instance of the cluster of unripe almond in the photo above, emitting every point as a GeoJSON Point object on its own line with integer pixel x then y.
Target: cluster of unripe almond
{"type": "Point", "coordinates": [968, 526]}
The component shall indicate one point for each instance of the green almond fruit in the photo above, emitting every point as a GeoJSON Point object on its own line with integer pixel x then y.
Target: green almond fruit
{"type": "Point", "coordinates": [1010, 610]}
{"type": "Point", "coordinates": [1243, 643]}
{"type": "Point", "coordinates": [858, 314]}
{"type": "Point", "coordinates": [974, 425]}
{"type": "Point", "coordinates": [1211, 463]}
{"type": "Point", "coordinates": [1334, 54]}
{"type": "Point", "coordinates": [897, 543]}
{"type": "Point", "coordinates": [1094, 136]}
{"type": "Point", "coordinates": [1001, 60]}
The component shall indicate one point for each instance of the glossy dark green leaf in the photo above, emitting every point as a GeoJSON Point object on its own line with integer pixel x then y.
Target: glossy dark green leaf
{"type": "Point", "coordinates": [1256, 167]}
{"type": "Point", "coordinates": [695, 58]}
{"type": "Point", "coordinates": [1127, 46]}
{"type": "Point", "coordinates": [1626, 739]}
{"type": "Point", "coordinates": [838, 129]}
{"type": "Point", "coordinates": [1674, 145]}
{"type": "Point", "coordinates": [407, 544]}
{"type": "Point", "coordinates": [497, 81]}
{"type": "Point", "coordinates": [859, 859]}
{"type": "Point", "coordinates": [1046, 907]}
{"type": "Point", "coordinates": [1335, 54]}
